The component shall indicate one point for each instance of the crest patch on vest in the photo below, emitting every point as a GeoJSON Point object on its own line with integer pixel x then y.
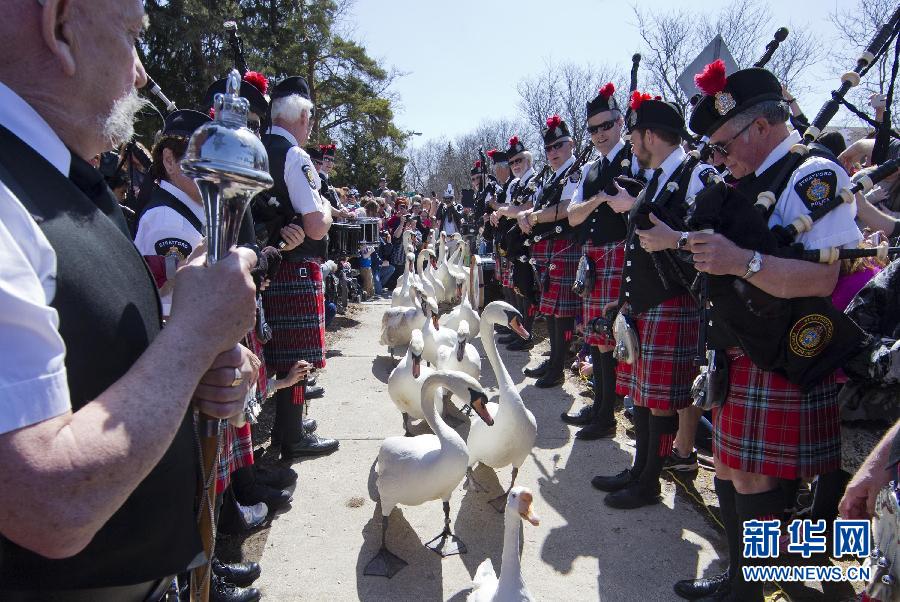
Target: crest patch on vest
{"type": "Point", "coordinates": [175, 247]}
{"type": "Point", "coordinates": [817, 188]}
{"type": "Point", "coordinates": [810, 334]}
{"type": "Point", "coordinates": [708, 176]}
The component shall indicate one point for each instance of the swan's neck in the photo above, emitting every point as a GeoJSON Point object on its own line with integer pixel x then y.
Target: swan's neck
{"type": "Point", "coordinates": [510, 563]}
{"type": "Point", "coordinates": [421, 265]}
{"type": "Point", "coordinates": [444, 433]}
{"type": "Point", "coordinates": [490, 348]}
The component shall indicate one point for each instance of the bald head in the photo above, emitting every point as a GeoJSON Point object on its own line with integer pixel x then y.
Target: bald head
{"type": "Point", "coordinates": [75, 63]}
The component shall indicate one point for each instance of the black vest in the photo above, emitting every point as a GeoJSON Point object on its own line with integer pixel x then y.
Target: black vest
{"type": "Point", "coordinates": [603, 225]}
{"type": "Point", "coordinates": [273, 209]}
{"type": "Point", "coordinates": [108, 315]}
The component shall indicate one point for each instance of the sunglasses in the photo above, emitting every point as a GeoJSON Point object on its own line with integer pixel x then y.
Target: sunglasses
{"type": "Point", "coordinates": [553, 147]}
{"type": "Point", "coordinates": [516, 161]}
{"type": "Point", "coordinates": [722, 149]}
{"type": "Point", "coordinates": [605, 126]}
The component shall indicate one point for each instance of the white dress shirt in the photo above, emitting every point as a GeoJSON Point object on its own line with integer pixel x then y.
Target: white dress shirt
{"type": "Point", "coordinates": [300, 176]}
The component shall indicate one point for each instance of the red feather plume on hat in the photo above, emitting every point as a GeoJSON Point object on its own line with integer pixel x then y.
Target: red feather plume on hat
{"type": "Point", "coordinates": [553, 122]}
{"type": "Point", "coordinates": [637, 99]}
{"type": "Point", "coordinates": [607, 90]}
{"type": "Point", "coordinates": [712, 80]}
{"type": "Point", "coordinates": [258, 80]}
{"type": "Point", "coordinates": [514, 141]}
{"type": "Point", "coordinates": [478, 164]}
{"type": "Point", "coordinates": [492, 152]}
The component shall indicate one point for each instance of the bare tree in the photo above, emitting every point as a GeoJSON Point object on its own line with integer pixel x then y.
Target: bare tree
{"type": "Point", "coordinates": [670, 40]}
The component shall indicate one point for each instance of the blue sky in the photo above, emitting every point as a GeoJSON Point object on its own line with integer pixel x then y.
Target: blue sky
{"type": "Point", "coordinates": [456, 53]}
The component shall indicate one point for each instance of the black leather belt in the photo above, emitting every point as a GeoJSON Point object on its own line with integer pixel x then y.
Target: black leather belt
{"type": "Point", "coordinates": [149, 591]}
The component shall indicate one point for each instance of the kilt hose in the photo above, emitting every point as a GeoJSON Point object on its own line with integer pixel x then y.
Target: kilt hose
{"type": "Point", "coordinates": [608, 260]}
{"type": "Point", "coordinates": [662, 375]}
{"type": "Point", "coordinates": [294, 304]}
{"type": "Point", "coordinates": [237, 452]}
{"type": "Point", "coordinates": [557, 262]}
{"type": "Point", "coordinates": [768, 426]}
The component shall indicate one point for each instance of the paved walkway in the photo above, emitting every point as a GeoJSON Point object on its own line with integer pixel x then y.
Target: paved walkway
{"type": "Point", "coordinates": [582, 550]}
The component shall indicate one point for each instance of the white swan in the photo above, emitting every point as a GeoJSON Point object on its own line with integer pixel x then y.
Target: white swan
{"type": "Point", "coordinates": [462, 357]}
{"type": "Point", "coordinates": [510, 587]}
{"type": "Point", "coordinates": [434, 334]}
{"type": "Point", "coordinates": [423, 281]}
{"type": "Point", "coordinates": [464, 310]}
{"type": "Point", "coordinates": [405, 382]}
{"type": "Point", "coordinates": [443, 273]}
{"type": "Point", "coordinates": [515, 429]}
{"type": "Point", "coordinates": [400, 296]}
{"type": "Point", "coordinates": [397, 323]}
{"type": "Point", "coordinates": [415, 470]}
{"type": "Point", "coordinates": [439, 293]}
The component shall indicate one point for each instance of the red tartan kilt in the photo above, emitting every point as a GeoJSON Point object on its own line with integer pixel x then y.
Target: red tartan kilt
{"type": "Point", "coordinates": [560, 256]}
{"type": "Point", "coordinates": [769, 426]}
{"type": "Point", "coordinates": [237, 452]}
{"type": "Point", "coordinates": [506, 272]}
{"type": "Point", "coordinates": [295, 310]}
{"type": "Point", "coordinates": [608, 261]}
{"type": "Point", "coordinates": [662, 374]}
{"type": "Point", "coordinates": [623, 379]}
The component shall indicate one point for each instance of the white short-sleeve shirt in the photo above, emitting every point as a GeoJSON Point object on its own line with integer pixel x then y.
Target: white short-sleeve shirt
{"type": "Point", "coordinates": [300, 176]}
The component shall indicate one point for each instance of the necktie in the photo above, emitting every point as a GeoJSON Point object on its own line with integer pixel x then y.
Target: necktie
{"type": "Point", "coordinates": [652, 186]}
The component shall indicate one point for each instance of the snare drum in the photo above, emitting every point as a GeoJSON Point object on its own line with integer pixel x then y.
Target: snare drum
{"type": "Point", "coordinates": [354, 238]}
{"type": "Point", "coordinates": [338, 236]}
{"type": "Point", "coordinates": [369, 227]}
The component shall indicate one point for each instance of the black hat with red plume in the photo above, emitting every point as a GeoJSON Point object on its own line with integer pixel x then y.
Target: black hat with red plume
{"type": "Point", "coordinates": [476, 168]}
{"type": "Point", "coordinates": [653, 113]}
{"type": "Point", "coordinates": [727, 96]}
{"type": "Point", "coordinates": [253, 87]}
{"type": "Point", "coordinates": [497, 156]}
{"type": "Point", "coordinates": [329, 151]}
{"type": "Point", "coordinates": [604, 101]}
{"type": "Point", "coordinates": [314, 152]}
{"type": "Point", "coordinates": [515, 147]}
{"type": "Point", "coordinates": [556, 130]}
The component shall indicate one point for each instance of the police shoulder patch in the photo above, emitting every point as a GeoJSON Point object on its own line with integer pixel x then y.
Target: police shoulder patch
{"type": "Point", "coordinates": [708, 176]}
{"type": "Point", "coordinates": [175, 247]}
{"type": "Point", "coordinates": [308, 171]}
{"type": "Point", "coordinates": [575, 177]}
{"type": "Point", "coordinates": [817, 189]}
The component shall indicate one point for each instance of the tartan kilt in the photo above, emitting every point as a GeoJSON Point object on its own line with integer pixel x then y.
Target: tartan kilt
{"type": "Point", "coordinates": [662, 375]}
{"type": "Point", "coordinates": [560, 256]}
{"type": "Point", "coordinates": [506, 273]}
{"type": "Point", "coordinates": [237, 452]}
{"type": "Point", "coordinates": [608, 261]}
{"type": "Point", "coordinates": [295, 310]}
{"type": "Point", "coordinates": [768, 426]}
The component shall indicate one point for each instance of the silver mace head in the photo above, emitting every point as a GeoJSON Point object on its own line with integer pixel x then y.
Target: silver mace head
{"type": "Point", "coordinates": [229, 164]}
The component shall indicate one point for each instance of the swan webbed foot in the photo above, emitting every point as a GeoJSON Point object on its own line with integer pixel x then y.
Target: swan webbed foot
{"type": "Point", "coordinates": [499, 502]}
{"type": "Point", "coordinates": [447, 544]}
{"type": "Point", "coordinates": [471, 484]}
{"type": "Point", "coordinates": [384, 564]}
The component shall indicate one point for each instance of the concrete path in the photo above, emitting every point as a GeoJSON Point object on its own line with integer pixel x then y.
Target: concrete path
{"type": "Point", "coordinates": [582, 550]}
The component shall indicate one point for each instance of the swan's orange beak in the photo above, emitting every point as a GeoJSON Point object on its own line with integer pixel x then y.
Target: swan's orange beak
{"type": "Point", "coordinates": [518, 328]}
{"type": "Point", "coordinates": [525, 511]}
{"type": "Point", "coordinates": [434, 321]}
{"type": "Point", "coordinates": [478, 404]}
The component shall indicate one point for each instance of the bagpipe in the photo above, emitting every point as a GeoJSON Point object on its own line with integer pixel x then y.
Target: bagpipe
{"type": "Point", "coordinates": [555, 229]}
{"type": "Point", "coordinates": [512, 239]}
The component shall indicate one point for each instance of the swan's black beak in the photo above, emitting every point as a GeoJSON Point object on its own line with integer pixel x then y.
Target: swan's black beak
{"type": "Point", "coordinates": [417, 365]}
{"type": "Point", "coordinates": [516, 324]}
{"type": "Point", "coordinates": [478, 403]}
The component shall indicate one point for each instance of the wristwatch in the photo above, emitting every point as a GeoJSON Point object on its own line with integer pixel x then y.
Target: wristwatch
{"type": "Point", "coordinates": [682, 241]}
{"type": "Point", "coordinates": [754, 265]}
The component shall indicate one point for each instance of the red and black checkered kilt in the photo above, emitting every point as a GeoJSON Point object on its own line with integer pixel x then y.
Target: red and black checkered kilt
{"type": "Point", "coordinates": [769, 426]}
{"type": "Point", "coordinates": [237, 452]}
{"type": "Point", "coordinates": [294, 304]}
{"type": "Point", "coordinates": [608, 261]}
{"type": "Point", "coordinates": [560, 256]}
{"type": "Point", "coordinates": [506, 273]}
{"type": "Point", "coordinates": [662, 375]}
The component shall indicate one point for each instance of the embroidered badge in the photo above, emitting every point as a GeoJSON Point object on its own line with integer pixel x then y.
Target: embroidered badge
{"type": "Point", "coordinates": [708, 176]}
{"type": "Point", "coordinates": [817, 188]}
{"type": "Point", "coordinates": [575, 177]}
{"type": "Point", "coordinates": [309, 176]}
{"type": "Point", "coordinates": [724, 103]}
{"type": "Point", "coordinates": [174, 247]}
{"type": "Point", "coordinates": [810, 334]}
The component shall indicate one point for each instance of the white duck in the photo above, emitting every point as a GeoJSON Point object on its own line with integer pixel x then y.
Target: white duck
{"type": "Point", "coordinates": [415, 470]}
{"type": "Point", "coordinates": [464, 310]}
{"type": "Point", "coordinates": [511, 439]}
{"type": "Point", "coordinates": [435, 335]}
{"type": "Point", "coordinates": [400, 297]}
{"type": "Point", "coordinates": [510, 587]}
{"type": "Point", "coordinates": [405, 382]}
{"type": "Point", "coordinates": [397, 323]}
{"type": "Point", "coordinates": [462, 357]}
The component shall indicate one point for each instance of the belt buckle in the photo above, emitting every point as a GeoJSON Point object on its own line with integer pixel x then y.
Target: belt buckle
{"type": "Point", "coordinates": [302, 272]}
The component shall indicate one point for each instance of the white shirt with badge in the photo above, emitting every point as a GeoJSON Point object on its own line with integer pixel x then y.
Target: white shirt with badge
{"type": "Point", "coordinates": [33, 382]}
{"type": "Point", "coordinates": [814, 183]}
{"type": "Point", "coordinates": [163, 231]}
{"type": "Point", "coordinates": [300, 176]}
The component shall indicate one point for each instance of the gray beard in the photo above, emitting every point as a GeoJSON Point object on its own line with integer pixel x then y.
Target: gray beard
{"type": "Point", "coordinates": [118, 126]}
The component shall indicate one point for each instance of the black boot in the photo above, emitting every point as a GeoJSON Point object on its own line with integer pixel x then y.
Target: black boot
{"type": "Point", "coordinates": [694, 589]}
{"type": "Point", "coordinates": [582, 417]}
{"type": "Point", "coordinates": [223, 591]}
{"type": "Point", "coordinates": [538, 371]}
{"type": "Point", "coordinates": [241, 574]}
{"type": "Point", "coordinates": [275, 475]}
{"type": "Point", "coordinates": [645, 491]}
{"type": "Point", "coordinates": [755, 506]}
{"type": "Point", "coordinates": [559, 335]}
{"type": "Point", "coordinates": [295, 442]}
{"type": "Point", "coordinates": [249, 491]}
{"type": "Point", "coordinates": [603, 421]}
{"type": "Point", "coordinates": [630, 475]}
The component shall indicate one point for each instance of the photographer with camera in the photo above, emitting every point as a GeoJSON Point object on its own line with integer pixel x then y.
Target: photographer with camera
{"type": "Point", "coordinates": [449, 215]}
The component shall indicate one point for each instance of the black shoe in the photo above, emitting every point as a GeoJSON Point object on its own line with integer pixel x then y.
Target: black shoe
{"type": "Point", "coordinates": [521, 344]}
{"type": "Point", "coordinates": [694, 589]}
{"type": "Point", "coordinates": [241, 574]}
{"type": "Point", "coordinates": [310, 425]}
{"type": "Point", "coordinates": [270, 496]}
{"type": "Point", "coordinates": [508, 338]}
{"type": "Point", "coordinates": [614, 482]}
{"type": "Point", "coordinates": [310, 381]}
{"type": "Point", "coordinates": [309, 445]}
{"type": "Point", "coordinates": [548, 381]}
{"type": "Point", "coordinates": [681, 464]}
{"type": "Point", "coordinates": [597, 431]}
{"type": "Point", "coordinates": [538, 371]}
{"type": "Point", "coordinates": [222, 591]}
{"type": "Point", "coordinates": [314, 392]}
{"type": "Point", "coordinates": [279, 477]}
{"type": "Point", "coordinates": [579, 418]}
{"type": "Point", "coordinates": [633, 496]}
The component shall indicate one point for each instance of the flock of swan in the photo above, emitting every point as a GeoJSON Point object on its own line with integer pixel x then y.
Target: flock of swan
{"type": "Point", "coordinates": [441, 365]}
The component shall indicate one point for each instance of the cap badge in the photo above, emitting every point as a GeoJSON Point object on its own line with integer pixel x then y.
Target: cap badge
{"type": "Point", "coordinates": [724, 103]}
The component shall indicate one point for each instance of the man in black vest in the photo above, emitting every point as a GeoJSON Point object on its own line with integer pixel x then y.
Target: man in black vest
{"type": "Point", "coordinates": [295, 300]}
{"type": "Point", "coordinates": [100, 466]}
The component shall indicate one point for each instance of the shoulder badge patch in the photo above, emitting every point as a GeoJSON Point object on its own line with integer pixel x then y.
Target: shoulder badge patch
{"type": "Point", "coordinates": [708, 176]}
{"type": "Point", "coordinates": [308, 171]}
{"type": "Point", "coordinates": [817, 188]}
{"type": "Point", "coordinates": [810, 335]}
{"type": "Point", "coordinates": [575, 177]}
{"type": "Point", "coordinates": [175, 247]}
